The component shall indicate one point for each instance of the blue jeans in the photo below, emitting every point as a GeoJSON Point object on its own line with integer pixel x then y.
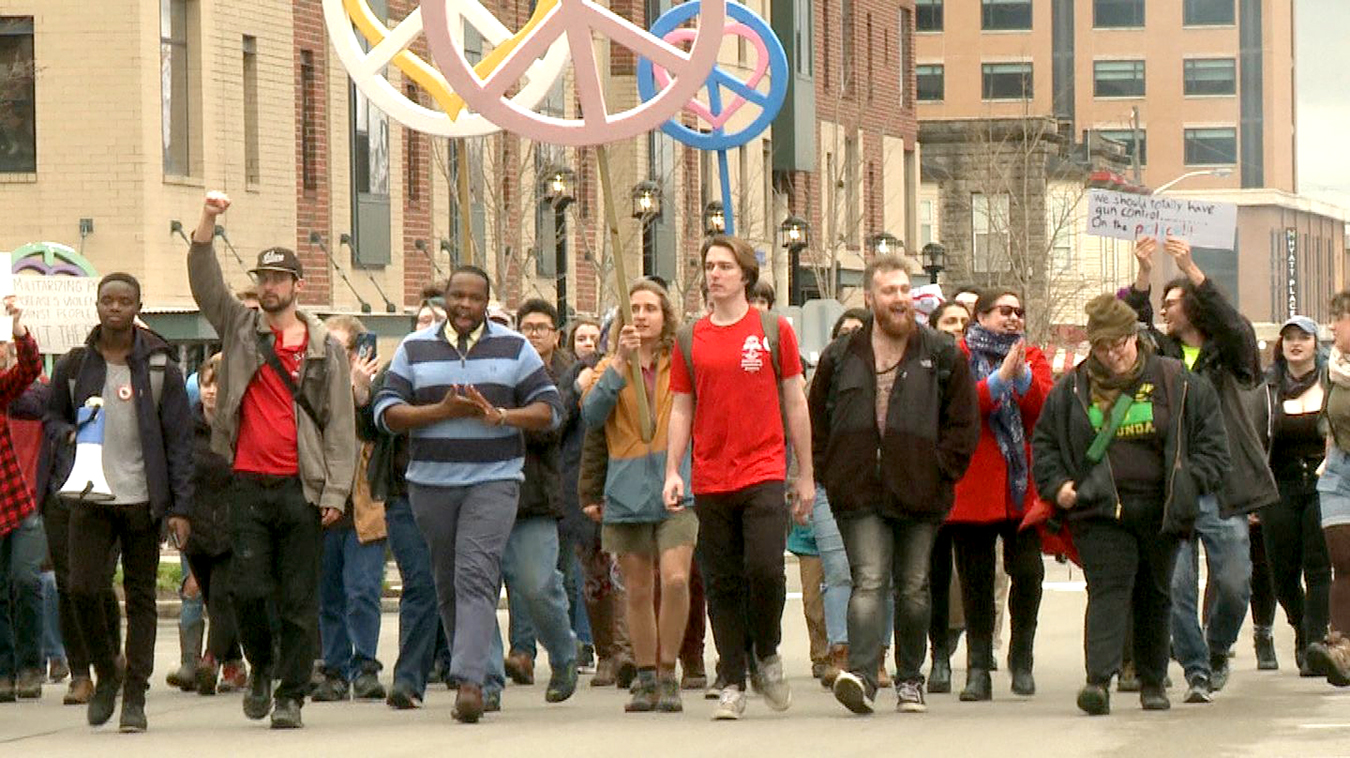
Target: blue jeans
{"type": "Point", "coordinates": [521, 631]}
{"type": "Point", "coordinates": [21, 554]}
{"type": "Point", "coordinates": [349, 603]}
{"type": "Point", "coordinates": [53, 647]}
{"type": "Point", "coordinates": [418, 622]}
{"type": "Point", "coordinates": [1228, 557]}
{"type": "Point", "coordinates": [838, 580]}
{"type": "Point", "coordinates": [530, 570]}
{"type": "Point", "coordinates": [192, 611]}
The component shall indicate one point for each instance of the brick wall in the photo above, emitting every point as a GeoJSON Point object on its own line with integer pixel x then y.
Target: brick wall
{"type": "Point", "coordinates": [313, 208]}
{"type": "Point", "coordinates": [417, 165]}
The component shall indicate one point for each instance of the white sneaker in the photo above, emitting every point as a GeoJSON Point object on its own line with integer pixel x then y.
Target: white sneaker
{"type": "Point", "coordinates": [851, 692]}
{"type": "Point", "coordinates": [909, 698]}
{"type": "Point", "coordinates": [777, 693]}
{"type": "Point", "coordinates": [730, 705]}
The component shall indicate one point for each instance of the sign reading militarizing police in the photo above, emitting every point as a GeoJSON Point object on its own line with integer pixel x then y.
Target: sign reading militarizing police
{"type": "Point", "coordinates": [1126, 216]}
{"type": "Point", "coordinates": [59, 310]}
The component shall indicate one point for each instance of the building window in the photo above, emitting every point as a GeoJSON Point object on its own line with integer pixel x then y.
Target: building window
{"type": "Point", "coordinates": [846, 73]}
{"type": "Point", "coordinates": [1117, 14]}
{"type": "Point", "coordinates": [174, 88]}
{"type": "Point", "coordinates": [413, 142]}
{"type": "Point", "coordinates": [1126, 138]}
{"type": "Point", "coordinates": [825, 53]}
{"type": "Point", "coordinates": [1005, 15]}
{"type": "Point", "coordinates": [252, 163]}
{"type": "Point", "coordinates": [870, 79]}
{"type": "Point", "coordinates": [1007, 81]}
{"type": "Point", "coordinates": [906, 65]}
{"type": "Point", "coordinates": [1216, 146]}
{"type": "Point", "coordinates": [928, 15]}
{"type": "Point", "coordinates": [852, 217]}
{"type": "Point", "coordinates": [1118, 78]}
{"type": "Point", "coordinates": [930, 81]}
{"type": "Point", "coordinates": [989, 228]}
{"type": "Point", "coordinates": [309, 122]}
{"type": "Point", "coordinates": [926, 223]}
{"type": "Point", "coordinates": [1210, 76]}
{"type": "Point", "coordinates": [1208, 13]}
{"type": "Point", "coordinates": [18, 96]}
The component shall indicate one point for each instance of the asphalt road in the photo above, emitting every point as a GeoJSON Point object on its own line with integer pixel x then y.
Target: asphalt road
{"type": "Point", "coordinates": [1258, 714]}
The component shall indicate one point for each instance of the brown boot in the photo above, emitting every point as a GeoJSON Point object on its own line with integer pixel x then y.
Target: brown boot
{"type": "Point", "coordinates": [468, 703]}
{"type": "Point", "coordinates": [604, 673]}
{"type": "Point", "coordinates": [883, 676]}
{"type": "Point", "coordinates": [80, 690]}
{"type": "Point", "coordinates": [838, 663]}
{"type": "Point", "coordinates": [520, 667]}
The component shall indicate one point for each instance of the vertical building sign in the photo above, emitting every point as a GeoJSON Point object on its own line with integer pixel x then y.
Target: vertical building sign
{"type": "Point", "coordinates": [1291, 269]}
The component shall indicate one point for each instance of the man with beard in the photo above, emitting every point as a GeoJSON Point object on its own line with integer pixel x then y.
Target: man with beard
{"type": "Point", "coordinates": [285, 417]}
{"type": "Point", "coordinates": [894, 421]}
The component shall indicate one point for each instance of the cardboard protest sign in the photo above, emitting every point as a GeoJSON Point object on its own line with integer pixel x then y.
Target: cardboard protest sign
{"type": "Point", "coordinates": [58, 310]}
{"type": "Point", "coordinates": [1126, 216]}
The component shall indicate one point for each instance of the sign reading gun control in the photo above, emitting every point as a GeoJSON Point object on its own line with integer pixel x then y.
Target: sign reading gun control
{"type": "Point", "coordinates": [59, 310]}
{"type": "Point", "coordinates": [1125, 216]}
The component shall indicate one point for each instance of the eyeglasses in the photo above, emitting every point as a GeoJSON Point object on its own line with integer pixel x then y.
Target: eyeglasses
{"type": "Point", "coordinates": [1111, 345]}
{"type": "Point", "coordinates": [535, 328]}
{"type": "Point", "coordinates": [1010, 310]}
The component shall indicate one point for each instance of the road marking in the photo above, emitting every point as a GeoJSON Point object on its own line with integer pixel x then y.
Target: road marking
{"type": "Point", "coordinates": [1324, 726]}
{"type": "Point", "coordinates": [1078, 586]}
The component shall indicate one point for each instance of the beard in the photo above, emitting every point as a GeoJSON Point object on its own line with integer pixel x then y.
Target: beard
{"type": "Point", "coordinates": [894, 323]}
{"type": "Point", "coordinates": [278, 305]}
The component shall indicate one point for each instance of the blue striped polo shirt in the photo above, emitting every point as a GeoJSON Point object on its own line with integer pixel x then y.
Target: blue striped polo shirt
{"type": "Point", "coordinates": [503, 366]}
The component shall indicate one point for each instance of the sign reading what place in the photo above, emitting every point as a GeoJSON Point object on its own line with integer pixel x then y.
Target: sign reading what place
{"type": "Point", "coordinates": [59, 310]}
{"type": "Point", "coordinates": [1126, 216]}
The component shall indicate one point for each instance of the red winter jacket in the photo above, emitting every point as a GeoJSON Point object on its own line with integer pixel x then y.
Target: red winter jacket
{"type": "Point", "coordinates": [982, 494]}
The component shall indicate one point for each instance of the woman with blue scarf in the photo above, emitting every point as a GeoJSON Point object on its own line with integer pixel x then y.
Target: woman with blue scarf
{"type": "Point", "coordinates": [1013, 379]}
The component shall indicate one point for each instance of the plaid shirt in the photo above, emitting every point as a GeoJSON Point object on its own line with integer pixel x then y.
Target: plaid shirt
{"type": "Point", "coordinates": [16, 499]}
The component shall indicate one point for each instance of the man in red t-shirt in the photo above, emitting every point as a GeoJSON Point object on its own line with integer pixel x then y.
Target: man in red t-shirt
{"type": "Point", "coordinates": [739, 471]}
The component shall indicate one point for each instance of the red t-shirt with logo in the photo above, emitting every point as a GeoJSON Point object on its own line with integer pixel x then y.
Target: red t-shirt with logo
{"type": "Point", "coordinates": [738, 431]}
{"type": "Point", "coordinates": [267, 436]}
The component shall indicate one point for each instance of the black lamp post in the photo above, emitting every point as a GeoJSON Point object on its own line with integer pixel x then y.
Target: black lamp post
{"type": "Point", "coordinates": [714, 218]}
{"type": "Point", "coordinates": [885, 243]}
{"type": "Point", "coordinates": [796, 237]}
{"type": "Point", "coordinates": [559, 188]}
{"type": "Point", "coordinates": [934, 260]}
{"type": "Point", "coordinates": [646, 209]}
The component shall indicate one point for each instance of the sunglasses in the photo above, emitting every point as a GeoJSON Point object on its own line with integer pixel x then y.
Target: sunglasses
{"type": "Point", "coordinates": [1010, 310]}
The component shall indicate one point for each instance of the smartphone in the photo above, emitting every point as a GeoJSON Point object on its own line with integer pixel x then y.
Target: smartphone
{"type": "Point", "coordinates": [366, 346]}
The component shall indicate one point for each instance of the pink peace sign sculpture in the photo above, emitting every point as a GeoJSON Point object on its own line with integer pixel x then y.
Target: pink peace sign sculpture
{"type": "Point", "coordinates": [579, 21]}
{"type": "Point", "coordinates": [704, 111]}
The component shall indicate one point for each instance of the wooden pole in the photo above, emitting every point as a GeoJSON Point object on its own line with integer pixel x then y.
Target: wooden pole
{"type": "Point", "coordinates": [621, 288]}
{"type": "Point", "coordinates": [465, 212]}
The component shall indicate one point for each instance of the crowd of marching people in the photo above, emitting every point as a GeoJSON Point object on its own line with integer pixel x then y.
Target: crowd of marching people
{"type": "Point", "coordinates": [633, 482]}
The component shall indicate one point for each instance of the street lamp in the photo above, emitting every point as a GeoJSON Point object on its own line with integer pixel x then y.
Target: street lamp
{"type": "Point", "coordinates": [934, 260]}
{"type": "Point", "coordinates": [558, 189]}
{"type": "Point", "coordinates": [714, 218]}
{"type": "Point", "coordinates": [1219, 172]}
{"type": "Point", "coordinates": [796, 237]}
{"type": "Point", "coordinates": [646, 208]}
{"type": "Point", "coordinates": [885, 243]}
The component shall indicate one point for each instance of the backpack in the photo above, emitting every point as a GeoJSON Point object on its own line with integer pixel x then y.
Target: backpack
{"type": "Point", "coordinates": [158, 362]}
{"type": "Point", "coordinates": [684, 338]}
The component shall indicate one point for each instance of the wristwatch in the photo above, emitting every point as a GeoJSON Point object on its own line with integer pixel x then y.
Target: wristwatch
{"type": "Point", "coordinates": [501, 416]}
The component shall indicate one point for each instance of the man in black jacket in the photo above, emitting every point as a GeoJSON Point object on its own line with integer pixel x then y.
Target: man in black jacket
{"type": "Point", "coordinates": [894, 423]}
{"type": "Point", "coordinates": [1215, 341]}
{"type": "Point", "coordinates": [147, 462]}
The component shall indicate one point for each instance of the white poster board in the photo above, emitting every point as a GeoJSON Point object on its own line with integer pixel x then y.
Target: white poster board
{"type": "Point", "coordinates": [59, 310]}
{"type": "Point", "coordinates": [6, 289]}
{"type": "Point", "coordinates": [1126, 216]}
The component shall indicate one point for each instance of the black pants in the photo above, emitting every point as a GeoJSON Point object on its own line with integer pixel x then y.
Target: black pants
{"type": "Point", "coordinates": [213, 577]}
{"type": "Point", "coordinates": [1129, 579]}
{"type": "Point", "coordinates": [56, 522]}
{"type": "Point", "coordinates": [940, 589]}
{"type": "Point", "coordinates": [94, 530]}
{"type": "Point", "coordinates": [276, 544]}
{"type": "Point", "coordinates": [742, 536]}
{"type": "Point", "coordinates": [1297, 550]}
{"type": "Point", "coordinates": [974, 544]}
{"type": "Point", "coordinates": [1263, 584]}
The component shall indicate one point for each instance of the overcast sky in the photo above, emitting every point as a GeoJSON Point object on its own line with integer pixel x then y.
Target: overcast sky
{"type": "Point", "coordinates": [1322, 72]}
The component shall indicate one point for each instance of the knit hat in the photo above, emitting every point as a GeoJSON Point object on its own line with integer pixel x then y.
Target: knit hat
{"type": "Point", "coordinates": [1109, 318]}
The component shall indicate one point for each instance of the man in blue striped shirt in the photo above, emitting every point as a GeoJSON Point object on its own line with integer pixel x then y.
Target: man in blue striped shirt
{"type": "Point", "coordinates": [463, 390]}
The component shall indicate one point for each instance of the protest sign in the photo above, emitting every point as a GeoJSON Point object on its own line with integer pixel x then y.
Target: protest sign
{"type": "Point", "coordinates": [58, 310]}
{"type": "Point", "coordinates": [1126, 216]}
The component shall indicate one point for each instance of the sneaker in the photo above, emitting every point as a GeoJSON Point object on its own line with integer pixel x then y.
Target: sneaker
{"type": "Point", "coordinates": [331, 690]}
{"type": "Point", "coordinates": [714, 690]}
{"type": "Point", "coordinates": [775, 689]}
{"type": "Point", "coordinates": [604, 673]}
{"type": "Point", "coordinates": [1154, 698]}
{"type": "Point", "coordinates": [585, 658]}
{"type": "Point", "coordinates": [730, 704]}
{"type": "Point", "coordinates": [910, 697]}
{"type": "Point", "coordinates": [644, 694]}
{"type": "Point", "coordinates": [57, 670]}
{"type": "Point", "coordinates": [692, 675]}
{"type": "Point", "coordinates": [1128, 681]}
{"type": "Point", "coordinates": [258, 695]}
{"type": "Point", "coordinates": [562, 682]}
{"type": "Point", "coordinates": [1094, 700]}
{"type": "Point", "coordinates": [28, 685]}
{"type": "Point", "coordinates": [367, 687]}
{"type": "Point", "coordinates": [492, 701]}
{"type": "Point", "coordinates": [207, 675]}
{"type": "Point", "coordinates": [1198, 690]}
{"type": "Point", "coordinates": [184, 678]}
{"type": "Point", "coordinates": [286, 714]}
{"type": "Point", "coordinates": [233, 677]}
{"type": "Point", "coordinates": [133, 717]}
{"type": "Point", "coordinates": [668, 694]}
{"type": "Point", "coordinates": [402, 698]}
{"type": "Point", "coordinates": [1218, 671]}
{"type": "Point", "coordinates": [851, 692]}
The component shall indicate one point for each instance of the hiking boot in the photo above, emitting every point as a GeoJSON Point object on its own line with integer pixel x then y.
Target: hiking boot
{"type": "Point", "coordinates": [1264, 642]}
{"type": "Point", "coordinates": [80, 690]}
{"type": "Point", "coordinates": [1331, 659]}
{"type": "Point", "coordinates": [184, 678]}
{"type": "Point", "coordinates": [940, 673]}
{"type": "Point", "coordinates": [331, 690]}
{"type": "Point", "coordinates": [104, 700]}
{"type": "Point", "coordinates": [57, 670]}
{"type": "Point", "coordinates": [909, 697]}
{"type": "Point", "coordinates": [604, 673]}
{"type": "Point", "coordinates": [468, 703]}
{"type": "Point", "coordinates": [851, 692]}
{"type": "Point", "coordinates": [286, 714]}
{"type": "Point", "coordinates": [668, 694]}
{"type": "Point", "coordinates": [692, 675]}
{"type": "Point", "coordinates": [730, 704]}
{"type": "Point", "coordinates": [979, 686]}
{"type": "Point", "coordinates": [775, 689]}
{"type": "Point", "coordinates": [1154, 698]}
{"type": "Point", "coordinates": [207, 675]}
{"type": "Point", "coordinates": [258, 695]}
{"type": "Point", "coordinates": [133, 717]}
{"type": "Point", "coordinates": [233, 677]}
{"type": "Point", "coordinates": [884, 680]}
{"type": "Point", "coordinates": [836, 663]}
{"type": "Point", "coordinates": [645, 696]}
{"type": "Point", "coordinates": [1128, 681]}
{"type": "Point", "coordinates": [1094, 700]}
{"type": "Point", "coordinates": [28, 685]}
{"type": "Point", "coordinates": [403, 698]}
{"type": "Point", "coordinates": [367, 687]}
{"type": "Point", "coordinates": [562, 682]}
{"type": "Point", "coordinates": [520, 667]}
{"type": "Point", "coordinates": [1198, 690]}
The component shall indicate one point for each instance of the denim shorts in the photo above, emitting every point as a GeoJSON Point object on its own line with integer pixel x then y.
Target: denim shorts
{"type": "Point", "coordinates": [1333, 489]}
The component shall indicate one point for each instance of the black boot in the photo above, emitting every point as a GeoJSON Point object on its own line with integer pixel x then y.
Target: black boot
{"type": "Point", "coordinates": [979, 686]}
{"type": "Point", "coordinates": [1265, 649]}
{"type": "Point", "coordinates": [1020, 660]}
{"type": "Point", "coordinates": [940, 673]}
{"type": "Point", "coordinates": [979, 662]}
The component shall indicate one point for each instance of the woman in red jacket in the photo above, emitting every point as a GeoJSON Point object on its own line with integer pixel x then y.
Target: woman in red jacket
{"type": "Point", "coordinates": [1013, 379]}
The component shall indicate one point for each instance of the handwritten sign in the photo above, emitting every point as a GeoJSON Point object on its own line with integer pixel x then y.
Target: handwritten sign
{"type": "Point", "coordinates": [59, 310]}
{"type": "Point", "coordinates": [1125, 216]}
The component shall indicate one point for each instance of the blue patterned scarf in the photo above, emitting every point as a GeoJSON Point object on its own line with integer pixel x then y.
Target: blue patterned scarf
{"type": "Point", "coordinates": [987, 351]}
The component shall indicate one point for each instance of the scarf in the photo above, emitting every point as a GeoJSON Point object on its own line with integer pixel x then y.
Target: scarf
{"type": "Point", "coordinates": [987, 351]}
{"type": "Point", "coordinates": [1105, 387]}
{"type": "Point", "coordinates": [1338, 367]}
{"type": "Point", "coordinates": [1291, 386]}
